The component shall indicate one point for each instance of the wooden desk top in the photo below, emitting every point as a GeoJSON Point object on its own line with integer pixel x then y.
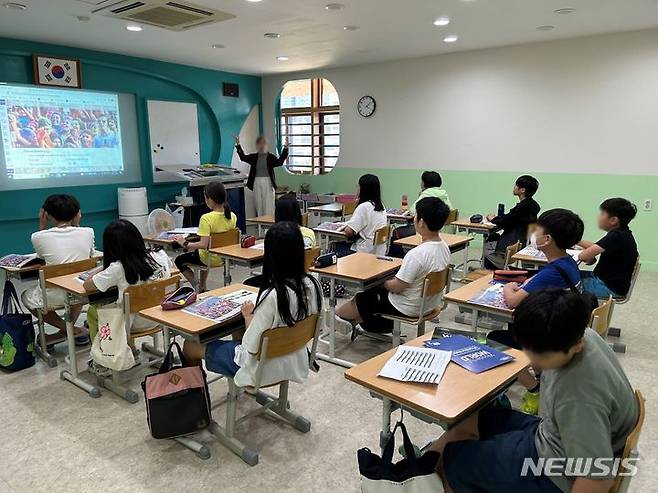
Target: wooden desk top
{"type": "Point", "coordinates": [236, 252]}
{"type": "Point", "coordinates": [69, 283]}
{"type": "Point", "coordinates": [360, 267]}
{"type": "Point", "coordinates": [185, 322]}
{"type": "Point", "coordinates": [334, 207]}
{"type": "Point", "coordinates": [474, 226]}
{"type": "Point", "coordinates": [21, 270]}
{"type": "Point", "coordinates": [458, 393]}
{"type": "Point", "coordinates": [261, 220]}
{"type": "Point", "coordinates": [159, 241]}
{"type": "Point", "coordinates": [399, 217]}
{"type": "Point", "coordinates": [453, 241]}
{"type": "Point", "coordinates": [330, 232]}
{"type": "Point", "coordinates": [529, 259]}
{"type": "Point", "coordinates": [463, 295]}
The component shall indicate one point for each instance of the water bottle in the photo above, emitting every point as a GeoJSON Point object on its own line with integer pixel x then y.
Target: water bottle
{"type": "Point", "coordinates": [501, 210]}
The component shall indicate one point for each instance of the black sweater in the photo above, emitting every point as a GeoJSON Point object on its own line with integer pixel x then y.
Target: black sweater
{"type": "Point", "coordinates": [252, 160]}
{"type": "Point", "coordinates": [515, 222]}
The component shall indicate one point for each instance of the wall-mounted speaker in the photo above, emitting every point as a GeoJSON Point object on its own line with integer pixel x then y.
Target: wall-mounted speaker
{"type": "Point", "coordinates": [231, 90]}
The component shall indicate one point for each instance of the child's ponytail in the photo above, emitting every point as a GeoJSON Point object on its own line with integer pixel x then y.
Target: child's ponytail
{"type": "Point", "coordinates": [227, 210]}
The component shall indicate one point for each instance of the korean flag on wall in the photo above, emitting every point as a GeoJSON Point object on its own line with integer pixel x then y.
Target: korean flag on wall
{"type": "Point", "coordinates": [57, 72]}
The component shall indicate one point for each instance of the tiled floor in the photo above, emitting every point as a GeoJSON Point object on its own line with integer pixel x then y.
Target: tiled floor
{"type": "Point", "coordinates": [55, 438]}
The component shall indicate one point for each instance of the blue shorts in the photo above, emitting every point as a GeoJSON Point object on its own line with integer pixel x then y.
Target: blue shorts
{"type": "Point", "coordinates": [494, 462]}
{"type": "Point", "coordinates": [220, 357]}
{"type": "Point", "coordinates": [595, 286]}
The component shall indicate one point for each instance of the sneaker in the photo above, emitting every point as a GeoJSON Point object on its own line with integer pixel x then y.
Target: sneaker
{"type": "Point", "coordinates": [98, 370]}
{"type": "Point", "coordinates": [530, 403]}
{"type": "Point", "coordinates": [343, 326]}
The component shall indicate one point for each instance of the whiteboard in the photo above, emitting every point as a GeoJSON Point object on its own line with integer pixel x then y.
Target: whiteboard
{"type": "Point", "coordinates": [174, 137]}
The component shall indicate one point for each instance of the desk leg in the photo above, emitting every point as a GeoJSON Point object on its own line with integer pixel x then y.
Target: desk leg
{"type": "Point", "coordinates": [474, 321]}
{"type": "Point", "coordinates": [331, 327]}
{"type": "Point", "coordinates": [71, 374]}
{"type": "Point", "coordinates": [227, 272]}
{"type": "Point", "coordinates": [465, 265]}
{"type": "Point", "coordinates": [385, 433]}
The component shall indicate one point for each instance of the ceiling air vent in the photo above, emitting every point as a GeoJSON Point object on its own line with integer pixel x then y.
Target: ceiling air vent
{"type": "Point", "coordinates": [175, 16]}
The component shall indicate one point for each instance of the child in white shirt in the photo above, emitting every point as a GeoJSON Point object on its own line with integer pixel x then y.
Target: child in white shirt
{"type": "Point", "coordinates": [368, 217]}
{"type": "Point", "coordinates": [126, 262]}
{"type": "Point", "coordinates": [401, 295]}
{"type": "Point", "coordinates": [288, 294]}
{"type": "Point", "coordinates": [64, 242]}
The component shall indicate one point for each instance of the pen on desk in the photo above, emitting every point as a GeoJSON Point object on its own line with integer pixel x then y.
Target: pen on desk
{"type": "Point", "coordinates": [388, 259]}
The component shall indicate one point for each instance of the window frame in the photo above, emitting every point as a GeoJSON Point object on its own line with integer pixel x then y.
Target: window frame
{"type": "Point", "coordinates": [319, 162]}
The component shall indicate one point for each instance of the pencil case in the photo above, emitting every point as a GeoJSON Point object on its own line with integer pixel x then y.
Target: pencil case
{"type": "Point", "coordinates": [326, 260]}
{"type": "Point", "coordinates": [248, 241]}
{"type": "Point", "coordinates": [182, 297]}
{"type": "Point", "coordinates": [511, 275]}
{"type": "Point", "coordinates": [476, 218]}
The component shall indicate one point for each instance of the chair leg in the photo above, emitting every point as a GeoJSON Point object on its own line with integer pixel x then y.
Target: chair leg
{"type": "Point", "coordinates": [41, 347]}
{"type": "Point", "coordinates": [421, 329]}
{"type": "Point", "coordinates": [617, 347]}
{"type": "Point", "coordinates": [396, 333]}
{"type": "Point", "coordinates": [298, 422]}
{"type": "Point", "coordinates": [614, 332]}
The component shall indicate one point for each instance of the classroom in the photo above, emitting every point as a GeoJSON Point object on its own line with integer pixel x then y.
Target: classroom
{"type": "Point", "coordinates": [301, 245]}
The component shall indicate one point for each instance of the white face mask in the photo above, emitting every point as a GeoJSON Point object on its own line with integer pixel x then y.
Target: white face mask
{"type": "Point", "coordinates": [533, 241]}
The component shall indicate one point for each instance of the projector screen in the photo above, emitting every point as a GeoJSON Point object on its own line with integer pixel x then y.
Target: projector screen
{"type": "Point", "coordinates": [66, 137]}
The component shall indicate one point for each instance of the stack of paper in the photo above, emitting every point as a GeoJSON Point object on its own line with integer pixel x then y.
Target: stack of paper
{"type": "Point", "coordinates": [416, 364]}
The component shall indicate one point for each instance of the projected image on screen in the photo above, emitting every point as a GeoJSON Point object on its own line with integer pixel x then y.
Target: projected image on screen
{"type": "Point", "coordinates": [52, 135]}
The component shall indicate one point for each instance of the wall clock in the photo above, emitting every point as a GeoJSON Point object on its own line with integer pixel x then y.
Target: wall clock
{"type": "Point", "coordinates": [53, 71]}
{"type": "Point", "coordinates": [366, 106]}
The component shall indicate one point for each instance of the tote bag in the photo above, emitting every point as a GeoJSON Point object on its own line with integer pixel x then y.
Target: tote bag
{"type": "Point", "coordinates": [16, 333]}
{"type": "Point", "coordinates": [177, 398]}
{"type": "Point", "coordinates": [110, 347]}
{"type": "Point", "coordinates": [410, 475]}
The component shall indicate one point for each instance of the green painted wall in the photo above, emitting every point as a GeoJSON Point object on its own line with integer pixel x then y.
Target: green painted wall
{"type": "Point", "coordinates": [480, 192]}
{"type": "Point", "coordinates": [219, 118]}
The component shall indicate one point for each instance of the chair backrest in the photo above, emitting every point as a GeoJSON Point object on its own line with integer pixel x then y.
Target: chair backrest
{"type": "Point", "coordinates": [226, 238]}
{"type": "Point", "coordinates": [348, 208]}
{"type": "Point", "coordinates": [636, 272]}
{"type": "Point", "coordinates": [310, 254]}
{"type": "Point", "coordinates": [510, 251]}
{"type": "Point", "coordinates": [381, 235]}
{"type": "Point", "coordinates": [452, 216]}
{"type": "Point", "coordinates": [435, 282]}
{"type": "Point", "coordinates": [630, 448]}
{"type": "Point", "coordinates": [147, 295]}
{"type": "Point", "coordinates": [599, 320]}
{"type": "Point", "coordinates": [305, 219]}
{"type": "Point", "coordinates": [285, 340]}
{"type": "Point", "coordinates": [56, 270]}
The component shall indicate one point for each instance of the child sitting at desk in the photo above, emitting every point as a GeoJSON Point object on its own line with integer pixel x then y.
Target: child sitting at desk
{"type": "Point", "coordinates": [64, 242]}
{"type": "Point", "coordinates": [218, 220]}
{"type": "Point", "coordinates": [402, 294]}
{"type": "Point", "coordinates": [287, 209]}
{"type": "Point", "coordinates": [557, 230]}
{"type": "Point", "coordinates": [514, 224]}
{"type": "Point", "coordinates": [126, 261]}
{"type": "Point", "coordinates": [618, 251]}
{"type": "Point", "coordinates": [430, 186]}
{"type": "Point", "coordinates": [588, 409]}
{"type": "Point", "coordinates": [288, 294]}
{"type": "Point", "coordinates": [368, 217]}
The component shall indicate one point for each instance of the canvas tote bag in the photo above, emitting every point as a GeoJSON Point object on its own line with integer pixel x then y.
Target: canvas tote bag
{"type": "Point", "coordinates": [110, 347]}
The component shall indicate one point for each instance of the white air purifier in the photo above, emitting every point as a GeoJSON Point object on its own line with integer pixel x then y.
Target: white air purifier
{"type": "Point", "coordinates": [134, 207]}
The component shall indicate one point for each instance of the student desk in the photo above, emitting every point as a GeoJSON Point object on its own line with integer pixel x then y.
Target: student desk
{"type": "Point", "coordinates": [200, 330]}
{"type": "Point", "coordinates": [536, 258]}
{"type": "Point", "coordinates": [75, 293]}
{"type": "Point", "coordinates": [334, 209]}
{"type": "Point", "coordinates": [22, 273]}
{"type": "Point", "coordinates": [361, 270]}
{"type": "Point", "coordinates": [455, 243]}
{"type": "Point", "coordinates": [393, 218]}
{"type": "Point", "coordinates": [327, 234]}
{"type": "Point", "coordinates": [484, 229]}
{"type": "Point", "coordinates": [248, 257]}
{"type": "Point", "coordinates": [462, 296]}
{"type": "Point", "coordinates": [166, 244]}
{"type": "Point", "coordinates": [263, 222]}
{"type": "Point", "coordinates": [459, 394]}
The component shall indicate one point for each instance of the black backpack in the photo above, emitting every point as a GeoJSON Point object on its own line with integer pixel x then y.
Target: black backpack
{"type": "Point", "coordinates": [591, 300]}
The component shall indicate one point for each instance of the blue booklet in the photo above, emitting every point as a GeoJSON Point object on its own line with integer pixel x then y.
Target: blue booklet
{"type": "Point", "coordinates": [470, 354]}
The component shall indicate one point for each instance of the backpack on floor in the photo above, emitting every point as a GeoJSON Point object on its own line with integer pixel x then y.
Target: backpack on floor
{"type": "Point", "coordinates": [16, 333]}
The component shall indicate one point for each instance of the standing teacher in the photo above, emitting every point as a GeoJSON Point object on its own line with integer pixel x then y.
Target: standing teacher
{"type": "Point", "coordinates": [261, 174]}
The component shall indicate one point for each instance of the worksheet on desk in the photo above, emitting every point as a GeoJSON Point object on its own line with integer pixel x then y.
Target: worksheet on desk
{"type": "Point", "coordinates": [416, 364]}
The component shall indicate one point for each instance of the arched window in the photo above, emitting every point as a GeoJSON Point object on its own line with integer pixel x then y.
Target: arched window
{"type": "Point", "coordinates": [310, 124]}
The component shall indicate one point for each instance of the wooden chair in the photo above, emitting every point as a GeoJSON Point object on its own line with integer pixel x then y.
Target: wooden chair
{"type": "Point", "coordinates": [217, 240]}
{"type": "Point", "coordinates": [274, 343]}
{"type": "Point", "coordinates": [381, 236]}
{"type": "Point", "coordinates": [622, 483]}
{"type": "Point", "coordinates": [452, 217]}
{"type": "Point", "coordinates": [616, 331]}
{"type": "Point", "coordinates": [510, 251]}
{"type": "Point", "coordinates": [348, 209]}
{"type": "Point", "coordinates": [600, 322]}
{"type": "Point", "coordinates": [310, 254]}
{"type": "Point", "coordinates": [136, 298]}
{"type": "Point", "coordinates": [435, 283]}
{"type": "Point", "coordinates": [305, 216]}
{"type": "Point", "coordinates": [48, 272]}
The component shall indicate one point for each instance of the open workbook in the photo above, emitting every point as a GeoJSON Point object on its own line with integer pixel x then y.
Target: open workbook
{"type": "Point", "coordinates": [221, 308]}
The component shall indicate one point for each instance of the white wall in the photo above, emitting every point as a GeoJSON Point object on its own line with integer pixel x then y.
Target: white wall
{"type": "Point", "coordinates": [581, 105]}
